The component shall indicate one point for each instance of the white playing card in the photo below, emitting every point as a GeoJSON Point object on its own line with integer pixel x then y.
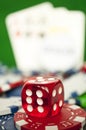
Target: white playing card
{"type": "Point", "coordinates": [63, 47]}
{"type": "Point", "coordinates": [25, 29]}
{"type": "Point", "coordinates": [47, 38]}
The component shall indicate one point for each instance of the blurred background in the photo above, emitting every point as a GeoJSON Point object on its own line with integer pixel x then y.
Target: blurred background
{"type": "Point", "coordinates": [11, 56]}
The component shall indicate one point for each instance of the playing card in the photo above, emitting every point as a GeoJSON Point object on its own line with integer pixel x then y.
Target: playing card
{"type": "Point", "coordinates": [63, 47]}
{"type": "Point", "coordinates": [26, 29]}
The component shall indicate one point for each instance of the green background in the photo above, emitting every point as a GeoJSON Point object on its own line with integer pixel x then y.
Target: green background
{"type": "Point", "coordinates": [8, 6]}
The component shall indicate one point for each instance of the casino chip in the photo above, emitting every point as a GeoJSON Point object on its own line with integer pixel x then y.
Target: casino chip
{"type": "Point", "coordinates": [9, 105]}
{"type": "Point", "coordinates": [7, 123]}
{"type": "Point", "coordinates": [14, 92]}
{"type": "Point", "coordinates": [73, 101]}
{"type": "Point", "coordinates": [72, 117]}
{"type": "Point", "coordinates": [76, 83]}
{"type": "Point", "coordinates": [8, 86]}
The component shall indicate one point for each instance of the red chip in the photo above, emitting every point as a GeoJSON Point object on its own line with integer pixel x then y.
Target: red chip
{"type": "Point", "coordinates": [71, 117]}
{"type": "Point", "coordinates": [42, 96]}
{"type": "Point", "coordinates": [8, 86]}
{"type": "Point", "coordinates": [83, 68]}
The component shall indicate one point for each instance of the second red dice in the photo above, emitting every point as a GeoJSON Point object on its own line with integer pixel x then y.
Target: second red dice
{"type": "Point", "coordinates": [42, 96]}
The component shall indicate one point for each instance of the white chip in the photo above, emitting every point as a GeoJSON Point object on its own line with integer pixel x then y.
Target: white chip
{"type": "Point", "coordinates": [20, 123]}
{"type": "Point", "coordinates": [80, 119]}
{"type": "Point", "coordinates": [74, 107]}
{"type": "Point", "coordinates": [5, 87]}
{"type": "Point", "coordinates": [4, 111]}
{"type": "Point", "coordinates": [51, 128]}
{"type": "Point", "coordinates": [9, 105]}
{"type": "Point", "coordinates": [71, 101]}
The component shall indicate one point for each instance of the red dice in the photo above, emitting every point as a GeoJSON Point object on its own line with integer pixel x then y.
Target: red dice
{"type": "Point", "coordinates": [42, 96]}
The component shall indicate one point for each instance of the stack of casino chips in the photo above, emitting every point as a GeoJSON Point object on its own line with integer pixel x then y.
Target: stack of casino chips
{"type": "Point", "coordinates": [8, 106]}
{"type": "Point", "coordinates": [11, 80]}
{"type": "Point", "coordinates": [11, 85]}
{"type": "Point", "coordinates": [44, 107]}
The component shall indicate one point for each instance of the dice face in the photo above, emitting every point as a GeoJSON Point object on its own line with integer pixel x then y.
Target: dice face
{"type": "Point", "coordinates": [42, 96]}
